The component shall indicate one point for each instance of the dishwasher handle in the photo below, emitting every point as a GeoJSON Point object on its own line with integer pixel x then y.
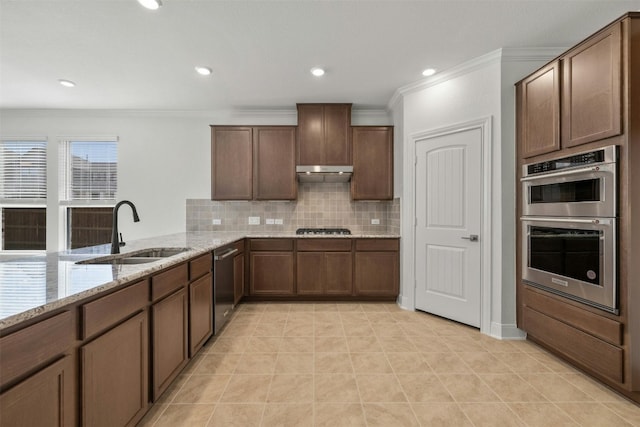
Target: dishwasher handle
{"type": "Point", "coordinates": [223, 255]}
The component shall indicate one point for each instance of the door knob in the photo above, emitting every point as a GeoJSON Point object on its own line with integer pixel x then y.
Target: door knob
{"type": "Point", "coordinates": [472, 237]}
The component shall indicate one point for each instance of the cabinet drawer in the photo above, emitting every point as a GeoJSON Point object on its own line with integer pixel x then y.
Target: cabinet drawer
{"type": "Point", "coordinates": [271, 244]}
{"type": "Point", "coordinates": [585, 349]}
{"type": "Point", "coordinates": [324, 245]}
{"type": "Point", "coordinates": [199, 266]}
{"type": "Point", "coordinates": [166, 282]}
{"type": "Point", "coordinates": [35, 345]}
{"type": "Point", "coordinates": [377, 245]}
{"type": "Point", "coordinates": [598, 326]}
{"type": "Point", "coordinates": [98, 315]}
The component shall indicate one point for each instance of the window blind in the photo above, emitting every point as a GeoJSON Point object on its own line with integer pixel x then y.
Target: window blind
{"type": "Point", "coordinates": [90, 170]}
{"type": "Point", "coordinates": [24, 286]}
{"type": "Point", "coordinates": [23, 170]}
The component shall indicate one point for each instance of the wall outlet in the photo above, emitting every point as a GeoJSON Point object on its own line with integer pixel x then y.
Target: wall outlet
{"type": "Point", "coordinates": [375, 221]}
{"type": "Point", "coordinates": [254, 220]}
{"type": "Point", "coordinates": [279, 221]}
{"type": "Point", "coordinates": [217, 221]}
{"type": "Point", "coordinates": [269, 221]}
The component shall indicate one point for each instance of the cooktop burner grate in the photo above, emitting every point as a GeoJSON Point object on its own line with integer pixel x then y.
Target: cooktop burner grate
{"type": "Point", "coordinates": [323, 231]}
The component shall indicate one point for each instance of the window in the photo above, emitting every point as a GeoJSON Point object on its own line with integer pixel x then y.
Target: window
{"type": "Point", "coordinates": [89, 176]}
{"type": "Point", "coordinates": [23, 193]}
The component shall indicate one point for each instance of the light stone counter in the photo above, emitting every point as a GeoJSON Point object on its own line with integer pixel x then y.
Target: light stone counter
{"type": "Point", "coordinates": [34, 285]}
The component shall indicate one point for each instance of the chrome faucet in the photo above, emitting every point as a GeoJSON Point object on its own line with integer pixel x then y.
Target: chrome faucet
{"type": "Point", "coordinates": [115, 236]}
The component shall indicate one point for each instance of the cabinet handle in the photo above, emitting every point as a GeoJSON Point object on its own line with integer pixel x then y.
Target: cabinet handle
{"type": "Point", "coordinates": [224, 255]}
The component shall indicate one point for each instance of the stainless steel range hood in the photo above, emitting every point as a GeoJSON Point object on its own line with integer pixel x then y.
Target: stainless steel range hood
{"type": "Point", "coordinates": [324, 173]}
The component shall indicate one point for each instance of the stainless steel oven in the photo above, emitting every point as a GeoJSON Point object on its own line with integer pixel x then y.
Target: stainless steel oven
{"type": "Point", "coordinates": [574, 257]}
{"type": "Point", "coordinates": [581, 185]}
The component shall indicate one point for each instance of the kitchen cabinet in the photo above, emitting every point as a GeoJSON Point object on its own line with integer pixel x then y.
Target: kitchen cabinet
{"type": "Point", "coordinates": [169, 327]}
{"type": "Point", "coordinates": [46, 398]}
{"type": "Point", "coordinates": [539, 102]}
{"type": "Point", "coordinates": [231, 163]}
{"type": "Point", "coordinates": [377, 267]}
{"type": "Point", "coordinates": [591, 88]}
{"type": "Point", "coordinates": [324, 134]}
{"type": "Point", "coordinates": [253, 163]}
{"type": "Point", "coordinates": [324, 267]}
{"type": "Point", "coordinates": [200, 302]}
{"type": "Point", "coordinates": [575, 99]}
{"type": "Point", "coordinates": [239, 273]}
{"type": "Point", "coordinates": [372, 153]}
{"type": "Point", "coordinates": [271, 267]}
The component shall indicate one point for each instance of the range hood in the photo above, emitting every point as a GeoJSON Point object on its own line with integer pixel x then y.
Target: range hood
{"type": "Point", "coordinates": [324, 173]}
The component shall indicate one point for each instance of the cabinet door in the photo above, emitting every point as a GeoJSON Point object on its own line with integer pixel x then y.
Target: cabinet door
{"type": "Point", "coordinates": [200, 312]}
{"type": "Point", "coordinates": [115, 375]}
{"type": "Point", "coordinates": [169, 340]}
{"type": "Point", "coordinates": [592, 75]}
{"type": "Point", "coordinates": [271, 273]}
{"type": "Point", "coordinates": [310, 273]}
{"type": "Point", "coordinates": [337, 135]}
{"type": "Point", "coordinates": [324, 273]}
{"type": "Point", "coordinates": [376, 273]}
{"type": "Point", "coordinates": [275, 163]}
{"type": "Point", "coordinates": [310, 134]}
{"type": "Point", "coordinates": [372, 149]}
{"type": "Point", "coordinates": [231, 163]}
{"type": "Point", "coordinates": [338, 273]}
{"type": "Point", "coordinates": [540, 111]}
{"type": "Point", "coordinates": [238, 278]}
{"type": "Point", "coordinates": [44, 399]}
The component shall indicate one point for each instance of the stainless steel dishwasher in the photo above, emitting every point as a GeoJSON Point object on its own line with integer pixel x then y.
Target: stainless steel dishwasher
{"type": "Point", "coordinates": [222, 286]}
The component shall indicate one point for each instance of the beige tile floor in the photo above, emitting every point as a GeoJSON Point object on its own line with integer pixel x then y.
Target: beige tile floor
{"type": "Point", "coordinates": [377, 365]}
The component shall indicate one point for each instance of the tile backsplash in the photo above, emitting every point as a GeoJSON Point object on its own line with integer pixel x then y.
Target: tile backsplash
{"type": "Point", "coordinates": [319, 205]}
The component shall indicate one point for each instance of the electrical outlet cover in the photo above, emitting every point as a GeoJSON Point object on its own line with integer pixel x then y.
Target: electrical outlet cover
{"type": "Point", "coordinates": [375, 221]}
{"type": "Point", "coordinates": [217, 221]}
{"type": "Point", "coordinates": [279, 221]}
{"type": "Point", "coordinates": [254, 220]}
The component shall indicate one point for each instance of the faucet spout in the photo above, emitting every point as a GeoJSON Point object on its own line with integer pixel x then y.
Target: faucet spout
{"type": "Point", "coordinates": [115, 235]}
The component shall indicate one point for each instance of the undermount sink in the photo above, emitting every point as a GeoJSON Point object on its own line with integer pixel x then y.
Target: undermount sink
{"type": "Point", "coordinates": [141, 256]}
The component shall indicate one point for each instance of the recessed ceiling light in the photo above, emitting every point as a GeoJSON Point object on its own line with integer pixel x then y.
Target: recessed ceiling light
{"type": "Point", "coordinates": [317, 71]}
{"type": "Point", "coordinates": [429, 72]}
{"type": "Point", "coordinates": [205, 71]}
{"type": "Point", "coordinates": [66, 83]}
{"type": "Point", "coordinates": [151, 4]}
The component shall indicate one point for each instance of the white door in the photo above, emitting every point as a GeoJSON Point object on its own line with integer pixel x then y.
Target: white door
{"type": "Point", "coordinates": [448, 223]}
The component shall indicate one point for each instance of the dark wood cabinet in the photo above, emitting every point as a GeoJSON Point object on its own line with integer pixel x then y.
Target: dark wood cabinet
{"type": "Point", "coordinates": [46, 398]}
{"type": "Point", "coordinates": [324, 267]}
{"type": "Point", "coordinates": [591, 89]}
{"type": "Point", "coordinates": [271, 267]}
{"type": "Point", "coordinates": [115, 375]}
{"type": "Point", "coordinates": [169, 340]}
{"type": "Point", "coordinates": [377, 263]}
{"type": "Point", "coordinates": [274, 172]}
{"type": "Point", "coordinates": [253, 163]}
{"type": "Point", "coordinates": [372, 152]}
{"type": "Point", "coordinates": [324, 134]}
{"type": "Point", "coordinates": [539, 104]}
{"type": "Point", "coordinates": [200, 312]}
{"type": "Point", "coordinates": [238, 278]}
{"type": "Point", "coordinates": [231, 163]}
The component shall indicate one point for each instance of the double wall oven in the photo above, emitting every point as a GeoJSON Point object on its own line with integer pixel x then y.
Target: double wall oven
{"type": "Point", "coordinates": [569, 227]}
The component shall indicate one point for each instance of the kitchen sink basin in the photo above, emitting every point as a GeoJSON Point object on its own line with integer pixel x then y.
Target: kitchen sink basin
{"type": "Point", "coordinates": [141, 256]}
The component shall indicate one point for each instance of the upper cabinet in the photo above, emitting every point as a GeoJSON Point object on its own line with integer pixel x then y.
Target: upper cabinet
{"type": "Point", "coordinates": [591, 83]}
{"type": "Point", "coordinates": [253, 163]}
{"type": "Point", "coordinates": [372, 150]}
{"type": "Point", "coordinates": [575, 99]}
{"type": "Point", "coordinates": [324, 134]}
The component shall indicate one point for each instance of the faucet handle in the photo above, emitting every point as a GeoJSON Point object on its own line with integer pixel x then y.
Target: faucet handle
{"type": "Point", "coordinates": [122, 242]}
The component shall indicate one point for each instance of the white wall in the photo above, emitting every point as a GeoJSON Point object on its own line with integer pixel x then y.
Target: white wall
{"type": "Point", "coordinates": [163, 157]}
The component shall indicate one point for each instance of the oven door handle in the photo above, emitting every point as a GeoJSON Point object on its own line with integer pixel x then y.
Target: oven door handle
{"type": "Point", "coordinates": [607, 167]}
{"type": "Point", "coordinates": [596, 221]}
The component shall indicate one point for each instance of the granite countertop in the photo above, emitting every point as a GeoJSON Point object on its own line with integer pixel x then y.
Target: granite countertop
{"type": "Point", "coordinates": [34, 285]}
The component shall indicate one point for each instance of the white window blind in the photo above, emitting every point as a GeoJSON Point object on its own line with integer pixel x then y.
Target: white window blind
{"type": "Point", "coordinates": [23, 171]}
{"type": "Point", "coordinates": [89, 170]}
{"type": "Point", "coordinates": [24, 286]}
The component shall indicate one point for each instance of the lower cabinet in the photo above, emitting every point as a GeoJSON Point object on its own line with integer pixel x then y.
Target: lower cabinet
{"type": "Point", "coordinates": [324, 267]}
{"type": "Point", "coordinates": [115, 379]}
{"type": "Point", "coordinates": [377, 267]}
{"type": "Point", "coordinates": [272, 265]}
{"type": "Point", "coordinates": [200, 312]}
{"type": "Point", "coordinates": [44, 399]}
{"type": "Point", "coordinates": [238, 278]}
{"type": "Point", "coordinates": [169, 340]}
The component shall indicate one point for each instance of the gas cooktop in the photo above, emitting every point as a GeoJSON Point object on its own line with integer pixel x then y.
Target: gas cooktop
{"type": "Point", "coordinates": [323, 231]}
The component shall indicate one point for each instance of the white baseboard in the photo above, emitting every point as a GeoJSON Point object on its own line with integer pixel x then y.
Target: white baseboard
{"type": "Point", "coordinates": [405, 303]}
{"type": "Point", "coordinates": [507, 332]}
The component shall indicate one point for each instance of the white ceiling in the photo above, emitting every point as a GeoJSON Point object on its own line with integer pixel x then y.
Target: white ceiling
{"type": "Point", "coordinates": [123, 56]}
